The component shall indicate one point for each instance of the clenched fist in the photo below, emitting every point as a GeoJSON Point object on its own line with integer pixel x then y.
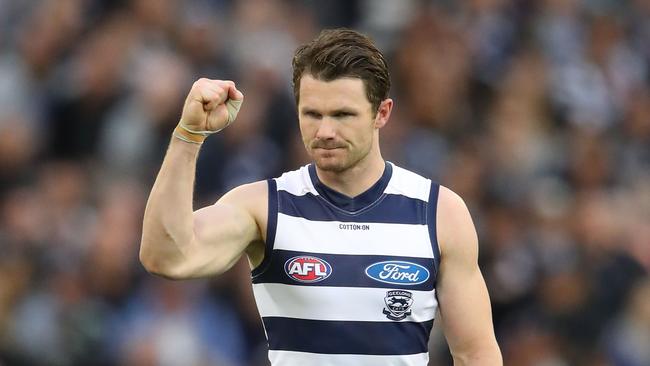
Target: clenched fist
{"type": "Point", "coordinates": [210, 106]}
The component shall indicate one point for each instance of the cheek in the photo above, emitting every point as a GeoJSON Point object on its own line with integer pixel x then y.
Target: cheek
{"type": "Point", "coordinates": [363, 137]}
{"type": "Point", "coordinates": [305, 131]}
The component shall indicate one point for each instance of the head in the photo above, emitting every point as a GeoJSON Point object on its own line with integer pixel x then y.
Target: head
{"type": "Point", "coordinates": [341, 84]}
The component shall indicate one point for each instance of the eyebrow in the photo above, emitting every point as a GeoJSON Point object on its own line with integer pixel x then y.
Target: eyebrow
{"type": "Point", "coordinates": [343, 110]}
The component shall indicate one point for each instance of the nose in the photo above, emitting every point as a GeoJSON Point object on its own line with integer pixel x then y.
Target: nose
{"type": "Point", "coordinates": [326, 129]}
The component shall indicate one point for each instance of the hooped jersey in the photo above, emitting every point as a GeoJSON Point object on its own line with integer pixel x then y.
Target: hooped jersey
{"type": "Point", "coordinates": [349, 281]}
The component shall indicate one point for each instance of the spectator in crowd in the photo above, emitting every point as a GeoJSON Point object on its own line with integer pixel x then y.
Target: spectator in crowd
{"type": "Point", "coordinates": [543, 107]}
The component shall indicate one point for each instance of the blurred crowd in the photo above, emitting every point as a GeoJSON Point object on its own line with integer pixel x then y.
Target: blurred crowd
{"type": "Point", "coordinates": [536, 112]}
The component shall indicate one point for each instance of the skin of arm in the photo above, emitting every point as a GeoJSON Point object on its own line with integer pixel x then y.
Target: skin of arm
{"type": "Point", "coordinates": [178, 243]}
{"type": "Point", "coordinates": [464, 300]}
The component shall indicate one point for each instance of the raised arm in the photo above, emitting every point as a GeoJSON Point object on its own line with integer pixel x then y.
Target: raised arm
{"type": "Point", "coordinates": [177, 242]}
{"type": "Point", "coordinates": [464, 301]}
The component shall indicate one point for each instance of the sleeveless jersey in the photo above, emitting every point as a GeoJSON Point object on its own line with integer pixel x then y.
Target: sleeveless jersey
{"type": "Point", "coordinates": [349, 281]}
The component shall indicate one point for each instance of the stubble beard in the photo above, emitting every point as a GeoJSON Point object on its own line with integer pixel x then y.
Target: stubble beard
{"type": "Point", "coordinates": [339, 164]}
{"type": "Point", "coordinates": [327, 165]}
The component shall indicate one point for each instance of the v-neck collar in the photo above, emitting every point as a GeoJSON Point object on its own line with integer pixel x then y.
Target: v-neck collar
{"type": "Point", "coordinates": [351, 204]}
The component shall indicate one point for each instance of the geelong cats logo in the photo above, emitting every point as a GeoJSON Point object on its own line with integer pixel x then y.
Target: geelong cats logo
{"type": "Point", "coordinates": [398, 304]}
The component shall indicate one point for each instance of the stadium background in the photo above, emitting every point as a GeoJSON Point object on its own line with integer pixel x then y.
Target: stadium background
{"type": "Point", "coordinates": [536, 112]}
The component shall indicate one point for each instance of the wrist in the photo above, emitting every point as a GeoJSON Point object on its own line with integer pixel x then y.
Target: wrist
{"type": "Point", "coordinates": [190, 137]}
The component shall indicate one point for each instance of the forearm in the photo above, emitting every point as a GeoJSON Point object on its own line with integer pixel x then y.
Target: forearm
{"type": "Point", "coordinates": [168, 219]}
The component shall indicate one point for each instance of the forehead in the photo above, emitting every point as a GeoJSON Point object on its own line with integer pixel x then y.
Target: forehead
{"type": "Point", "coordinates": [337, 93]}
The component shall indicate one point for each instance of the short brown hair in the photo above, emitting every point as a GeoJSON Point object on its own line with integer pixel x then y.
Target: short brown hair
{"type": "Point", "coordinates": [337, 53]}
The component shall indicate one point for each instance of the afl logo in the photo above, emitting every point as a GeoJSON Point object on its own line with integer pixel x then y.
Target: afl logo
{"type": "Point", "coordinates": [307, 269]}
{"type": "Point", "coordinates": [398, 273]}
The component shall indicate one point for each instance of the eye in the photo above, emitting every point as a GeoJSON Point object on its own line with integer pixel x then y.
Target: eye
{"type": "Point", "coordinates": [312, 114]}
{"type": "Point", "coordinates": [342, 114]}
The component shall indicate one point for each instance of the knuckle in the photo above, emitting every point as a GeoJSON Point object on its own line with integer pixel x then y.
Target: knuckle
{"type": "Point", "coordinates": [218, 92]}
{"type": "Point", "coordinates": [208, 91]}
{"type": "Point", "coordinates": [200, 82]}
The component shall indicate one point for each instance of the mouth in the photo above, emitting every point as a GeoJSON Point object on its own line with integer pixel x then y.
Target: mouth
{"type": "Point", "coordinates": [325, 146]}
{"type": "Point", "coordinates": [327, 151]}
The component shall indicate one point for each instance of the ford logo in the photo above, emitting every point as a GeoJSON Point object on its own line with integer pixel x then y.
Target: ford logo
{"type": "Point", "coordinates": [398, 273]}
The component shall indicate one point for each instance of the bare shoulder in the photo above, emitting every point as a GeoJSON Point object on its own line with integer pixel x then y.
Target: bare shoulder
{"type": "Point", "coordinates": [245, 195]}
{"type": "Point", "coordinates": [251, 197]}
{"type": "Point", "coordinates": [450, 200]}
{"type": "Point", "coordinates": [455, 228]}
{"type": "Point", "coordinates": [242, 214]}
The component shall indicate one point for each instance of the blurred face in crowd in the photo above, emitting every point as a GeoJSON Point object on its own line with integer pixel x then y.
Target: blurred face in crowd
{"type": "Point", "coordinates": [338, 124]}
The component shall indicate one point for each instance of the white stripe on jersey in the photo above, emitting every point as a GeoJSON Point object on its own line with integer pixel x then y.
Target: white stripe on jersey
{"type": "Point", "coordinates": [336, 303]}
{"type": "Point", "coordinates": [403, 182]}
{"type": "Point", "coordinates": [289, 358]}
{"type": "Point", "coordinates": [408, 184]}
{"type": "Point", "coordinates": [299, 234]}
{"type": "Point", "coordinates": [297, 182]}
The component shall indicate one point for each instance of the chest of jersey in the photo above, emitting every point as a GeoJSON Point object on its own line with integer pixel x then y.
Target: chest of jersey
{"type": "Point", "coordinates": [348, 283]}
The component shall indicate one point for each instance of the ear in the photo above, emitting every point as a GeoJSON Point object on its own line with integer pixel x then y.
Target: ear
{"type": "Point", "coordinates": [383, 113]}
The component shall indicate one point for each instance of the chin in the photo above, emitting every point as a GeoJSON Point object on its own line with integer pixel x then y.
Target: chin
{"type": "Point", "coordinates": [335, 162]}
{"type": "Point", "coordinates": [330, 165]}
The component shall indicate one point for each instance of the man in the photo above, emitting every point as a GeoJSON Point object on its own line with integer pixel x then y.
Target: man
{"type": "Point", "coordinates": [351, 255]}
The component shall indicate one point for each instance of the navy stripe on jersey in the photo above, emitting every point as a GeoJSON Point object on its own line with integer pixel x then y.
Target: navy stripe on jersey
{"type": "Point", "coordinates": [347, 271]}
{"type": "Point", "coordinates": [271, 226]}
{"type": "Point", "coordinates": [347, 337]}
{"type": "Point", "coordinates": [431, 216]}
{"type": "Point", "coordinates": [391, 208]}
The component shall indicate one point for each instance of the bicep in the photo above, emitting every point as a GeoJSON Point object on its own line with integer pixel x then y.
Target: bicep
{"type": "Point", "coordinates": [224, 230]}
{"type": "Point", "coordinates": [464, 300]}
{"type": "Point", "coordinates": [464, 308]}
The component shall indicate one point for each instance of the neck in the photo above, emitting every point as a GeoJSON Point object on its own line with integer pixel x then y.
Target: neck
{"type": "Point", "coordinates": [357, 179]}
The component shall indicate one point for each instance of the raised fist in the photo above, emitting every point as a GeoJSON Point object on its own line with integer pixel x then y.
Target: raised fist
{"type": "Point", "coordinates": [210, 106]}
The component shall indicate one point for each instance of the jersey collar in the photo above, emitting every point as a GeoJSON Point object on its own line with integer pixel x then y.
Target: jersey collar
{"type": "Point", "coordinates": [351, 204]}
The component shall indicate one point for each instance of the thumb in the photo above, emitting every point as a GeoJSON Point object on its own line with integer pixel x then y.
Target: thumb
{"type": "Point", "coordinates": [233, 106]}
